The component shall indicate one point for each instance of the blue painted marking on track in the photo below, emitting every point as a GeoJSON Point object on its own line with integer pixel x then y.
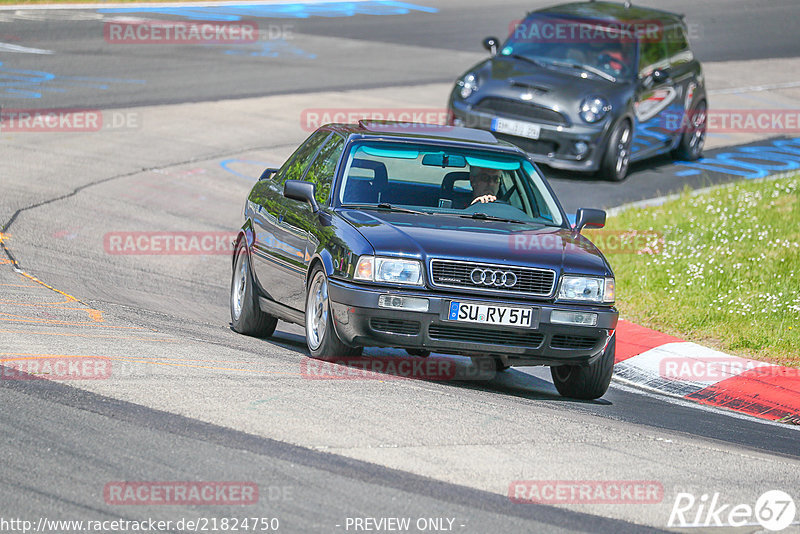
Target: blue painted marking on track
{"type": "Point", "coordinates": [750, 162]}
{"type": "Point", "coordinates": [270, 49]}
{"type": "Point", "coordinates": [296, 10]}
{"type": "Point", "coordinates": [225, 164]}
{"type": "Point", "coordinates": [687, 172]}
{"type": "Point", "coordinates": [20, 83]}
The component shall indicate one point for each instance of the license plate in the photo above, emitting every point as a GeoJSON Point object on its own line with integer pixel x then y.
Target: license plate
{"type": "Point", "coordinates": [518, 128]}
{"type": "Point", "coordinates": [471, 312]}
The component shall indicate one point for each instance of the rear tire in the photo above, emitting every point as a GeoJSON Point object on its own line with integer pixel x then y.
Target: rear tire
{"type": "Point", "coordinates": [693, 139]}
{"type": "Point", "coordinates": [321, 337]}
{"type": "Point", "coordinates": [246, 315]}
{"type": "Point", "coordinates": [586, 382]}
{"type": "Point", "coordinates": [617, 157]}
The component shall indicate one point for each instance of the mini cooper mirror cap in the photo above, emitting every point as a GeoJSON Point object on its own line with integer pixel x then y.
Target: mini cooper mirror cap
{"type": "Point", "coordinates": [588, 217]}
{"type": "Point", "coordinates": [303, 191]}
{"type": "Point", "coordinates": [491, 44]}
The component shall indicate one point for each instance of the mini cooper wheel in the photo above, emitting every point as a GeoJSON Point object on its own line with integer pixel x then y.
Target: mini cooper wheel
{"type": "Point", "coordinates": [617, 157]}
{"type": "Point", "coordinates": [694, 138]}
{"type": "Point", "coordinates": [586, 382]}
{"type": "Point", "coordinates": [246, 315]}
{"type": "Point", "coordinates": [321, 337]}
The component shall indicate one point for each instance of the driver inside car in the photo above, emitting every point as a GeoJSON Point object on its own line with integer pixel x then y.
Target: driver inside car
{"type": "Point", "coordinates": [485, 184]}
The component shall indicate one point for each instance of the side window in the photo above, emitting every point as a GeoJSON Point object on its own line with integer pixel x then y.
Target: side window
{"type": "Point", "coordinates": [296, 164]}
{"type": "Point", "coordinates": [652, 56]}
{"type": "Point", "coordinates": [321, 171]}
{"type": "Point", "coordinates": [678, 46]}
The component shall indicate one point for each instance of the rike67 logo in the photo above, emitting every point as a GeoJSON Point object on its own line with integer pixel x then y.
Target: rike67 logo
{"type": "Point", "coordinates": [774, 510]}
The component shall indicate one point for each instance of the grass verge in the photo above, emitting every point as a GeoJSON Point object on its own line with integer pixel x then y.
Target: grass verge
{"type": "Point", "coordinates": [725, 272]}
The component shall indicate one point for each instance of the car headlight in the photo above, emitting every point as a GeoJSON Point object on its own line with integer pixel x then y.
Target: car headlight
{"type": "Point", "coordinates": [594, 108]}
{"type": "Point", "coordinates": [586, 288]}
{"type": "Point", "coordinates": [467, 85]}
{"type": "Point", "coordinates": [389, 270]}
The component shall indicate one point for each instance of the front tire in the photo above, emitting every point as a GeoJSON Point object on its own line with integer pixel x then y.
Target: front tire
{"type": "Point", "coordinates": [246, 315]}
{"type": "Point", "coordinates": [617, 157]}
{"type": "Point", "coordinates": [586, 382]}
{"type": "Point", "coordinates": [321, 337]}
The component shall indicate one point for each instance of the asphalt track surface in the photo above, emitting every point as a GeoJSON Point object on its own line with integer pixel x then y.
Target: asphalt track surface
{"type": "Point", "coordinates": [191, 400]}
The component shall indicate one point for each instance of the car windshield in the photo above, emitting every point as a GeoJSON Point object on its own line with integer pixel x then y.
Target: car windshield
{"type": "Point", "coordinates": [602, 48]}
{"type": "Point", "coordinates": [447, 181]}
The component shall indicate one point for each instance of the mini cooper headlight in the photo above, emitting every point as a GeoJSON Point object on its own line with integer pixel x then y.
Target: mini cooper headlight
{"type": "Point", "coordinates": [389, 270]}
{"type": "Point", "coordinates": [468, 85]}
{"type": "Point", "coordinates": [594, 108]}
{"type": "Point", "coordinates": [586, 288]}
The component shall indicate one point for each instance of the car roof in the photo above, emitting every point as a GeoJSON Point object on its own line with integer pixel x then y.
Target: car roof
{"type": "Point", "coordinates": [611, 11]}
{"type": "Point", "coordinates": [420, 132]}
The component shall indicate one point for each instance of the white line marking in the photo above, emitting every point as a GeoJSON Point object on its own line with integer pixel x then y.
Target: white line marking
{"type": "Point", "coordinates": [7, 47]}
{"type": "Point", "coordinates": [754, 88]}
{"type": "Point", "coordinates": [165, 4]}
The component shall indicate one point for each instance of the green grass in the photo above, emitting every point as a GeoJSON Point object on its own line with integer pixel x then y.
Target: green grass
{"type": "Point", "coordinates": [727, 273]}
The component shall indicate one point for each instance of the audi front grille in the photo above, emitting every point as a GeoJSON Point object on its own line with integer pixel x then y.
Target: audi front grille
{"type": "Point", "coordinates": [492, 277]}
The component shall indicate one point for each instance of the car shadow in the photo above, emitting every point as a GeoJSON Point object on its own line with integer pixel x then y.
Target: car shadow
{"type": "Point", "coordinates": [455, 371]}
{"type": "Point", "coordinates": [654, 164]}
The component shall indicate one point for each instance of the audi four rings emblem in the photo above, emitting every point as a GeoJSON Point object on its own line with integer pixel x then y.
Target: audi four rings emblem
{"type": "Point", "coordinates": [490, 277]}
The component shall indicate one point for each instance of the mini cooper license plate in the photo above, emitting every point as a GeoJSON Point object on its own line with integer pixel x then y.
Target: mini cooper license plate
{"type": "Point", "coordinates": [473, 312]}
{"type": "Point", "coordinates": [518, 128]}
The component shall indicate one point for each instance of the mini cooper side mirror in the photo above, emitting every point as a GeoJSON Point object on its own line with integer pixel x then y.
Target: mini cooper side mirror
{"type": "Point", "coordinates": [589, 218]}
{"type": "Point", "coordinates": [491, 44]}
{"type": "Point", "coordinates": [267, 174]}
{"type": "Point", "coordinates": [302, 191]}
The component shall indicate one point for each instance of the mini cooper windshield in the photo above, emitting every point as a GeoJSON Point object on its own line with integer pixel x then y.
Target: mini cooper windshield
{"type": "Point", "coordinates": [447, 181]}
{"type": "Point", "coordinates": [572, 43]}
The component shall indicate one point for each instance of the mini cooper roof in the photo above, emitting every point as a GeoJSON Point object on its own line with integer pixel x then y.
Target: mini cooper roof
{"type": "Point", "coordinates": [611, 11]}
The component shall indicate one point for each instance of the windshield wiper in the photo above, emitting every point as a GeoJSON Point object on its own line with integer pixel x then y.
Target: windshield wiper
{"type": "Point", "coordinates": [528, 59]}
{"type": "Point", "coordinates": [589, 68]}
{"type": "Point", "coordinates": [485, 217]}
{"type": "Point", "coordinates": [387, 206]}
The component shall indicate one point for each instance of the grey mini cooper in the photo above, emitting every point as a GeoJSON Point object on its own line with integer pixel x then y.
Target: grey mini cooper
{"type": "Point", "coordinates": [589, 86]}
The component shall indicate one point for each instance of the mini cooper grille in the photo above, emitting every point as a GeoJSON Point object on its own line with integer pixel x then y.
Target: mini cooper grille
{"type": "Point", "coordinates": [536, 282]}
{"type": "Point", "coordinates": [489, 336]}
{"type": "Point", "coordinates": [522, 110]}
{"type": "Point", "coordinates": [563, 341]}
{"type": "Point", "coordinates": [395, 326]}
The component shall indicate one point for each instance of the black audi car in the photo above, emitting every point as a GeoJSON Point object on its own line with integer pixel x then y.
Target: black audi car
{"type": "Point", "coordinates": [589, 86]}
{"type": "Point", "coordinates": [428, 238]}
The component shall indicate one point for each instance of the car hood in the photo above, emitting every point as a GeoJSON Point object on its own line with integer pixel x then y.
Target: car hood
{"type": "Point", "coordinates": [552, 87]}
{"type": "Point", "coordinates": [439, 236]}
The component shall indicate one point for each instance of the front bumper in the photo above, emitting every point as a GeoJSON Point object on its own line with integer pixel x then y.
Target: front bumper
{"type": "Point", "coordinates": [360, 321]}
{"type": "Point", "coordinates": [555, 146]}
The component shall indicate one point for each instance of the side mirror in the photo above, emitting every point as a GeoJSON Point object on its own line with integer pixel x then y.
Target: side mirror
{"type": "Point", "coordinates": [589, 218]}
{"type": "Point", "coordinates": [660, 76]}
{"type": "Point", "coordinates": [302, 191]}
{"type": "Point", "coordinates": [267, 174]}
{"type": "Point", "coordinates": [491, 44]}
